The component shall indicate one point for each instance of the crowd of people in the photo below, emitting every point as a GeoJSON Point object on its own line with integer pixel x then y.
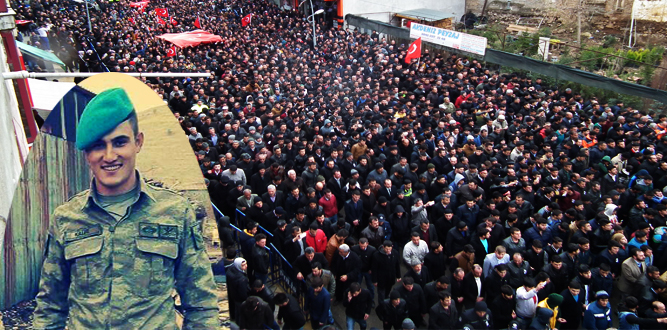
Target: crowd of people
{"type": "Point", "coordinates": [509, 203]}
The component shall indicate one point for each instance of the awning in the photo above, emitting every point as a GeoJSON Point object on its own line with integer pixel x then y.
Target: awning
{"type": "Point", "coordinates": [39, 53]}
{"type": "Point", "coordinates": [191, 39]}
{"type": "Point", "coordinates": [47, 94]}
{"type": "Point", "coordinates": [425, 14]}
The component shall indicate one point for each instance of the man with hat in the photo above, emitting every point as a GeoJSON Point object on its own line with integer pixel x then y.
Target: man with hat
{"type": "Point", "coordinates": [116, 252]}
{"type": "Point", "coordinates": [478, 317]}
{"type": "Point", "coordinates": [598, 314]}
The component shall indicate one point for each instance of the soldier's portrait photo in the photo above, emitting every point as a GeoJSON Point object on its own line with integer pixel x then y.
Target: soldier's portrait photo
{"type": "Point", "coordinates": [108, 220]}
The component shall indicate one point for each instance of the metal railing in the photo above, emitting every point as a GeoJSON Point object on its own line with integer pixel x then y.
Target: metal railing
{"type": "Point", "coordinates": [281, 271]}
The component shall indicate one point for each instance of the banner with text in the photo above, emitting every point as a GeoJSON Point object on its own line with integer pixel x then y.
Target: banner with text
{"type": "Point", "coordinates": [448, 38]}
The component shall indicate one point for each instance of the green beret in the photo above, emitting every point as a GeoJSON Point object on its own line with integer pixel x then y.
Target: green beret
{"type": "Point", "coordinates": [101, 116]}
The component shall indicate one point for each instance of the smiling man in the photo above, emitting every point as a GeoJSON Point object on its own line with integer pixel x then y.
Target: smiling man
{"type": "Point", "coordinates": [116, 252]}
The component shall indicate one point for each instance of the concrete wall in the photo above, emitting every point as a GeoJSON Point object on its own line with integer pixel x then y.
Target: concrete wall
{"type": "Point", "coordinates": [384, 10]}
{"type": "Point", "coordinates": [653, 10]}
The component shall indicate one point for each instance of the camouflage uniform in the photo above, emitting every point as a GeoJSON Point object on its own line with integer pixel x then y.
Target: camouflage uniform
{"type": "Point", "coordinates": [108, 274]}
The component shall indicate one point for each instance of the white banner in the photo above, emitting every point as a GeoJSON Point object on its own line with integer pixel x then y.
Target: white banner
{"type": "Point", "coordinates": [448, 38]}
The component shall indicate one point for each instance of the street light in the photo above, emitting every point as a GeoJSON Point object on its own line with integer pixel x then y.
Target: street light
{"type": "Point", "coordinates": [312, 17]}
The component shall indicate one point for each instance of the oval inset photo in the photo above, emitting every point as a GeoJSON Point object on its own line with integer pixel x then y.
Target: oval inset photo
{"type": "Point", "coordinates": [111, 223]}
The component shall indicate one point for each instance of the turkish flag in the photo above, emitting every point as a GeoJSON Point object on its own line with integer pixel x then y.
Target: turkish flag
{"type": "Point", "coordinates": [197, 23]}
{"type": "Point", "coordinates": [161, 21]}
{"type": "Point", "coordinates": [171, 51]}
{"type": "Point", "coordinates": [162, 12]}
{"type": "Point", "coordinates": [191, 38]}
{"type": "Point", "coordinates": [131, 20]}
{"type": "Point", "coordinates": [246, 20]}
{"type": "Point", "coordinates": [141, 5]}
{"type": "Point", "coordinates": [173, 21]}
{"type": "Point", "coordinates": [414, 51]}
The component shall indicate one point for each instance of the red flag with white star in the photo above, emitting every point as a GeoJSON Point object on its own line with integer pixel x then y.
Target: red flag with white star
{"type": "Point", "coordinates": [414, 51]}
{"type": "Point", "coordinates": [162, 12]}
{"type": "Point", "coordinates": [246, 20]}
{"type": "Point", "coordinates": [171, 52]}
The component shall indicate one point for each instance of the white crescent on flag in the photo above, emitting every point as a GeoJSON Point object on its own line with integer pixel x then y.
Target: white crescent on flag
{"type": "Point", "coordinates": [161, 11]}
{"type": "Point", "coordinates": [246, 19]}
{"type": "Point", "coordinates": [412, 49]}
{"type": "Point", "coordinates": [171, 52]}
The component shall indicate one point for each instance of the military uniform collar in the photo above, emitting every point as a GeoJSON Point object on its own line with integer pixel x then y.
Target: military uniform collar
{"type": "Point", "coordinates": [91, 195]}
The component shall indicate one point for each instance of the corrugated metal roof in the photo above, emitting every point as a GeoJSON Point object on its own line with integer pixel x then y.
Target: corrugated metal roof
{"type": "Point", "coordinates": [426, 14]}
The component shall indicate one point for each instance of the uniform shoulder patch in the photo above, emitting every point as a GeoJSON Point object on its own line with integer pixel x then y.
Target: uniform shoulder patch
{"type": "Point", "coordinates": [168, 231]}
{"type": "Point", "coordinates": [147, 229]}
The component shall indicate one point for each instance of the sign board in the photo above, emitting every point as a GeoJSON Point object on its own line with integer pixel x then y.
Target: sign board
{"type": "Point", "coordinates": [448, 38]}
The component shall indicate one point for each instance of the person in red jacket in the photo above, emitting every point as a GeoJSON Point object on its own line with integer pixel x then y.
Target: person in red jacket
{"type": "Point", "coordinates": [316, 238]}
{"type": "Point", "coordinates": [329, 205]}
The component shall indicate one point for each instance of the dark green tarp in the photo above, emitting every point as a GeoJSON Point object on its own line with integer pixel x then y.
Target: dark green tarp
{"type": "Point", "coordinates": [556, 71]}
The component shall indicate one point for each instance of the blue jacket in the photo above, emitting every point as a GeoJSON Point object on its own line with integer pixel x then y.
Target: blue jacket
{"type": "Point", "coordinates": [318, 306]}
{"type": "Point", "coordinates": [623, 323]}
{"type": "Point", "coordinates": [532, 234]}
{"type": "Point", "coordinates": [352, 213]}
{"type": "Point", "coordinates": [597, 317]}
{"type": "Point", "coordinates": [469, 216]}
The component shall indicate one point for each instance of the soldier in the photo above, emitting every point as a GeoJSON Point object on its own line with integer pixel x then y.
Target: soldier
{"type": "Point", "coordinates": [116, 252]}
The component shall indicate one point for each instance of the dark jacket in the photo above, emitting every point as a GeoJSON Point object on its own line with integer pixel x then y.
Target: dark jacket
{"type": "Point", "coordinates": [492, 284]}
{"type": "Point", "coordinates": [455, 241]}
{"type": "Point", "coordinates": [391, 315]}
{"type": "Point", "coordinates": [237, 285]}
{"type": "Point", "coordinates": [350, 266]}
{"type": "Point", "coordinates": [431, 292]}
{"type": "Point", "coordinates": [303, 266]}
{"type": "Point", "coordinates": [318, 306]}
{"type": "Point", "coordinates": [436, 264]}
{"type": "Point", "coordinates": [385, 269]}
{"type": "Point", "coordinates": [400, 227]}
{"type": "Point", "coordinates": [260, 260]}
{"type": "Point", "coordinates": [359, 305]}
{"type": "Point", "coordinates": [291, 314]}
{"type": "Point", "coordinates": [415, 298]}
{"type": "Point", "coordinates": [502, 311]}
{"type": "Point", "coordinates": [518, 273]}
{"type": "Point", "coordinates": [468, 215]}
{"type": "Point", "coordinates": [480, 252]}
{"type": "Point", "coordinates": [477, 323]}
{"type": "Point", "coordinates": [292, 249]}
{"type": "Point", "coordinates": [422, 278]}
{"type": "Point", "coordinates": [430, 236]}
{"type": "Point", "coordinates": [354, 213]}
{"type": "Point", "coordinates": [260, 318]}
{"type": "Point", "coordinates": [471, 289]}
{"type": "Point", "coordinates": [571, 310]}
{"type": "Point", "coordinates": [366, 256]}
{"type": "Point", "coordinates": [441, 319]}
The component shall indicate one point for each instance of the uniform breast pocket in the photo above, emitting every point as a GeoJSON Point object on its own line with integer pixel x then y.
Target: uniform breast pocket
{"type": "Point", "coordinates": [154, 266]}
{"type": "Point", "coordinates": [87, 265]}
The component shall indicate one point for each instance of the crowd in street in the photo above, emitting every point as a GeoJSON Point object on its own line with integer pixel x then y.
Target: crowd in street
{"type": "Point", "coordinates": [510, 203]}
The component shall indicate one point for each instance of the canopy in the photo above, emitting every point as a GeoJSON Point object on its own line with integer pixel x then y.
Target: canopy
{"type": "Point", "coordinates": [190, 39]}
{"type": "Point", "coordinates": [47, 94]}
{"type": "Point", "coordinates": [39, 53]}
{"type": "Point", "coordinates": [426, 14]}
